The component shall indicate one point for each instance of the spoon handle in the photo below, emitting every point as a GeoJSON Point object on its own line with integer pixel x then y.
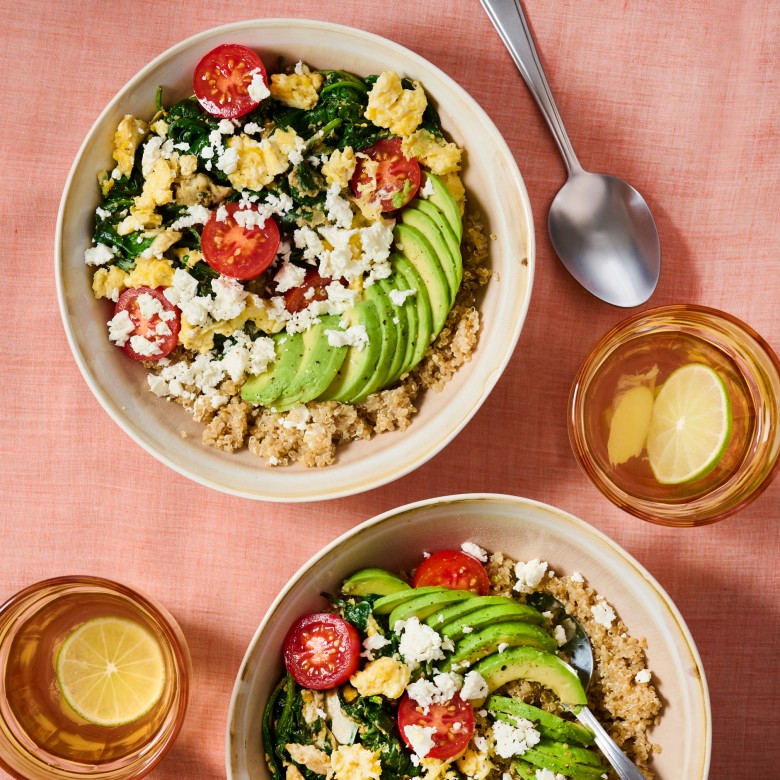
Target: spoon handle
{"type": "Point", "coordinates": [617, 758]}
{"type": "Point", "coordinates": [510, 22]}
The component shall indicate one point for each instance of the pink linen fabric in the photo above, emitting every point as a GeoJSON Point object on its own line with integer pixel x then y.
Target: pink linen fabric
{"type": "Point", "coordinates": [681, 99]}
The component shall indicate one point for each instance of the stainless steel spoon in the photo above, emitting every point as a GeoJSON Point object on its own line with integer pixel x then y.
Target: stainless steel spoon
{"type": "Point", "coordinates": [580, 653]}
{"type": "Point", "coordinates": [601, 227]}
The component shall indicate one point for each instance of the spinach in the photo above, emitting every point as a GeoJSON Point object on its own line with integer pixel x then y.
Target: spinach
{"type": "Point", "coordinates": [189, 123]}
{"type": "Point", "coordinates": [126, 248]}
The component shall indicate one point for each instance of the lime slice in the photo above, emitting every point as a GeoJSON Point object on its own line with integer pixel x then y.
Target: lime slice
{"type": "Point", "coordinates": [629, 424]}
{"type": "Point", "coordinates": [690, 425]}
{"type": "Point", "coordinates": [110, 671]}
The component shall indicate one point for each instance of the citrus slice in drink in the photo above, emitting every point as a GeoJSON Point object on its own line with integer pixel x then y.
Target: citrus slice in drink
{"type": "Point", "coordinates": [110, 670]}
{"type": "Point", "coordinates": [629, 424]}
{"type": "Point", "coordinates": [690, 425]}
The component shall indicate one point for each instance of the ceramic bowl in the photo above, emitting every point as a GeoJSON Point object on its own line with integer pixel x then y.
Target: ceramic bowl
{"type": "Point", "coordinates": [495, 188]}
{"type": "Point", "coordinates": [522, 529]}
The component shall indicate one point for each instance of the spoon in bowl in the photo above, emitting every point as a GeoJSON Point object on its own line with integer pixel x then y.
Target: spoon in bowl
{"type": "Point", "coordinates": [601, 227]}
{"type": "Point", "coordinates": [580, 653]}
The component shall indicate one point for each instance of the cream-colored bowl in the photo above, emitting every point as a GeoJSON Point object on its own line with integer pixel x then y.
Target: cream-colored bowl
{"type": "Point", "coordinates": [522, 529]}
{"type": "Point", "coordinates": [494, 186]}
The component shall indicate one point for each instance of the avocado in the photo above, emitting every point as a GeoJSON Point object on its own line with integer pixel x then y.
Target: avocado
{"type": "Point", "coordinates": [529, 663]}
{"type": "Point", "coordinates": [560, 765]}
{"type": "Point", "coordinates": [450, 265]}
{"type": "Point", "coordinates": [553, 725]}
{"type": "Point", "coordinates": [263, 389]}
{"type": "Point", "coordinates": [422, 304]}
{"type": "Point", "coordinates": [570, 753]}
{"type": "Point", "coordinates": [373, 582]}
{"type": "Point", "coordinates": [396, 282]}
{"type": "Point", "coordinates": [387, 604]}
{"type": "Point", "coordinates": [416, 248]}
{"type": "Point", "coordinates": [409, 306]}
{"type": "Point", "coordinates": [453, 244]}
{"type": "Point", "coordinates": [424, 605]}
{"type": "Point", "coordinates": [389, 338]}
{"type": "Point", "coordinates": [442, 199]}
{"type": "Point", "coordinates": [319, 364]}
{"type": "Point", "coordinates": [487, 641]}
{"type": "Point", "coordinates": [440, 619]}
{"type": "Point", "coordinates": [359, 364]}
{"type": "Point", "coordinates": [504, 613]}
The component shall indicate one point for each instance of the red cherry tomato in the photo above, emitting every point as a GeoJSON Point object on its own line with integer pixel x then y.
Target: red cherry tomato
{"type": "Point", "coordinates": [223, 77]}
{"type": "Point", "coordinates": [397, 177]}
{"type": "Point", "coordinates": [298, 298]}
{"type": "Point", "coordinates": [453, 721]}
{"type": "Point", "coordinates": [236, 251]}
{"type": "Point", "coordinates": [162, 333]}
{"type": "Point", "coordinates": [453, 569]}
{"type": "Point", "coordinates": [321, 651]}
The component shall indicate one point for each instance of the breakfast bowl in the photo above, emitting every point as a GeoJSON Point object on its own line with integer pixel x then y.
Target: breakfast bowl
{"type": "Point", "coordinates": [495, 191]}
{"type": "Point", "coordinates": [522, 530]}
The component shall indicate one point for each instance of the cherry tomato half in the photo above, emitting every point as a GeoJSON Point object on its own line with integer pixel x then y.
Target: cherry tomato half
{"type": "Point", "coordinates": [298, 298]}
{"type": "Point", "coordinates": [237, 251]}
{"type": "Point", "coordinates": [397, 177]}
{"type": "Point", "coordinates": [321, 651]}
{"type": "Point", "coordinates": [453, 721]}
{"type": "Point", "coordinates": [223, 77]}
{"type": "Point", "coordinates": [163, 333]}
{"type": "Point", "coordinates": [453, 569]}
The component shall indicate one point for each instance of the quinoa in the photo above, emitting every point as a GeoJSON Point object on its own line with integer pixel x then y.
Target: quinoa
{"type": "Point", "coordinates": [310, 434]}
{"type": "Point", "coordinates": [627, 709]}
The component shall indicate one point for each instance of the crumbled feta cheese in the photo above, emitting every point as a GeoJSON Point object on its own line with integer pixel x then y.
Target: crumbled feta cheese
{"type": "Point", "coordinates": [643, 677]}
{"type": "Point", "coordinates": [144, 347]}
{"type": "Point", "coordinates": [196, 215]}
{"type": "Point", "coordinates": [229, 298]}
{"type": "Point", "coordinates": [228, 161]}
{"type": "Point", "coordinates": [559, 634]}
{"type": "Point", "coordinates": [420, 738]}
{"type": "Point", "coordinates": [297, 418]}
{"type": "Point", "coordinates": [474, 686]}
{"type": "Point", "coordinates": [149, 306]}
{"type": "Point", "coordinates": [502, 646]}
{"type": "Point", "coordinates": [226, 127]}
{"type": "Point", "coordinates": [419, 643]}
{"type": "Point", "coordinates": [469, 547]}
{"type": "Point", "coordinates": [481, 744]}
{"type": "Point", "coordinates": [98, 255]}
{"type": "Point", "coordinates": [337, 208]}
{"type": "Point", "coordinates": [603, 614]}
{"type": "Point", "coordinates": [577, 577]}
{"type": "Point", "coordinates": [514, 740]}
{"type": "Point", "coordinates": [120, 326]}
{"type": "Point", "coordinates": [437, 691]}
{"type": "Point", "coordinates": [548, 774]}
{"type": "Point", "coordinates": [257, 89]}
{"type": "Point", "coordinates": [529, 574]}
{"type": "Point", "coordinates": [398, 297]}
{"type": "Point", "coordinates": [252, 127]}
{"type": "Point", "coordinates": [371, 643]}
{"type": "Point", "coordinates": [356, 336]}
{"type": "Point", "coordinates": [102, 213]}
{"type": "Point", "coordinates": [289, 276]}
{"type": "Point", "coordinates": [157, 385]}
{"type": "Point", "coordinates": [427, 189]}
{"type": "Point", "coordinates": [465, 629]}
{"type": "Point", "coordinates": [222, 214]}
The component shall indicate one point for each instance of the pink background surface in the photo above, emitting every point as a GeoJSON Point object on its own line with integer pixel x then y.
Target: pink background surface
{"type": "Point", "coordinates": [682, 99]}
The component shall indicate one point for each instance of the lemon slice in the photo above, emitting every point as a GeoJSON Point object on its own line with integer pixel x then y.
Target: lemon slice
{"type": "Point", "coordinates": [690, 425]}
{"type": "Point", "coordinates": [110, 671]}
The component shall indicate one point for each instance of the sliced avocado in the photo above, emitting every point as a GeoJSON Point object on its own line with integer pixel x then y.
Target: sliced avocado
{"type": "Point", "coordinates": [504, 613]}
{"type": "Point", "coordinates": [265, 388]}
{"type": "Point", "coordinates": [442, 199]}
{"type": "Point", "coordinates": [389, 335]}
{"type": "Point", "coordinates": [409, 306]}
{"type": "Point", "coordinates": [387, 604]}
{"type": "Point", "coordinates": [487, 641]}
{"type": "Point", "coordinates": [417, 219]}
{"type": "Point", "coordinates": [416, 248]}
{"type": "Point", "coordinates": [319, 365]}
{"type": "Point", "coordinates": [424, 605]}
{"type": "Point", "coordinates": [373, 582]}
{"type": "Point", "coordinates": [562, 766]}
{"type": "Point", "coordinates": [440, 619]}
{"type": "Point", "coordinates": [554, 725]}
{"type": "Point", "coordinates": [397, 283]}
{"type": "Point", "coordinates": [453, 244]}
{"type": "Point", "coordinates": [422, 303]}
{"type": "Point", "coordinates": [359, 364]}
{"type": "Point", "coordinates": [529, 663]}
{"type": "Point", "coordinates": [570, 753]}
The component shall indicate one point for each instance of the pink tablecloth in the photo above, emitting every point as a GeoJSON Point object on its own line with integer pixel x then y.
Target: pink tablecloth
{"type": "Point", "coordinates": [681, 99]}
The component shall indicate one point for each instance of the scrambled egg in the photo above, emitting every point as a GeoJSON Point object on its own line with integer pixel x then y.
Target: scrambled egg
{"type": "Point", "coordinates": [390, 105]}
{"type": "Point", "coordinates": [432, 151]}
{"type": "Point", "coordinates": [109, 283]}
{"type": "Point", "coordinates": [354, 762]}
{"type": "Point", "coordinates": [455, 186]}
{"type": "Point", "coordinates": [260, 161]}
{"type": "Point", "coordinates": [199, 190]}
{"type": "Point", "coordinates": [160, 127]}
{"type": "Point", "coordinates": [201, 339]}
{"type": "Point", "coordinates": [188, 165]}
{"type": "Point", "coordinates": [435, 769]}
{"type": "Point", "coordinates": [340, 167]}
{"type": "Point", "coordinates": [126, 139]}
{"type": "Point", "coordinates": [150, 273]}
{"type": "Point", "coordinates": [292, 773]}
{"type": "Point", "coordinates": [156, 192]}
{"type": "Point", "coordinates": [385, 676]}
{"type": "Point", "coordinates": [475, 764]}
{"type": "Point", "coordinates": [297, 90]}
{"type": "Point", "coordinates": [314, 759]}
{"type": "Point", "coordinates": [164, 238]}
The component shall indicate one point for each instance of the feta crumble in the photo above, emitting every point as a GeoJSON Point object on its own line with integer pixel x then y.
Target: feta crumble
{"type": "Point", "coordinates": [371, 643]}
{"type": "Point", "coordinates": [420, 738]}
{"type": "Point", "coordinates": [355, 336]}
{"type": "Point", "coordinates": [577, 577]}
{"type": "Point", "coordinates": [257, 89]}
{"type": "Point", "coordinates": [529, 574]}
{"type": "Point", "coordinates": [469, 547]}
{"type": "Point", "coordinates": [474, 687]}
{"type": "Point", "coordinates": [514, 740]}
{"type": "Point", "coordinates": [420, 643]}
{"type": "Point", "coordinates": [603, 614]}
{"type": "Point", "coordinates": [100, 254]}
{"type": "Point", "coordinates": [120, 326]}
{"type": "Point", "coordinates": [643, 677]}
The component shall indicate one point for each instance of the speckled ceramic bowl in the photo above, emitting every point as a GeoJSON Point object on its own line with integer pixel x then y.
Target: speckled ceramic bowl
{"type": "Point", "coordinates": [494, 186]}
{"type": "Point", "coordinates": [522, 529]}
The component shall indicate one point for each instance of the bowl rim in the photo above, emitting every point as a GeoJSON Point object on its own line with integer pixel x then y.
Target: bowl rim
{"type": "Point", "coordinates": [356, 485]}
{"type": "Point", "coordinates": [518, 501]}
